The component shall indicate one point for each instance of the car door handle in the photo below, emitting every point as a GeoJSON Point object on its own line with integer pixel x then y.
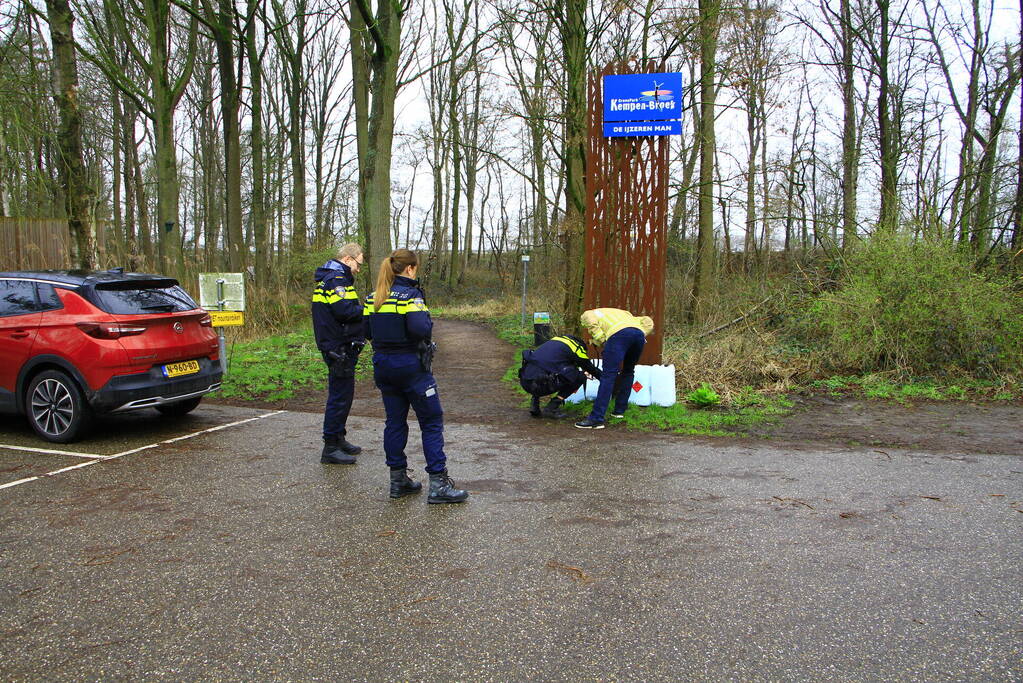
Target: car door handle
{"type": "Point", "coordinates": [20, 334]}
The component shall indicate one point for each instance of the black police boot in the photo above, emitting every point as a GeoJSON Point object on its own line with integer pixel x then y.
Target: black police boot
{"type": "Point", "coordinates": [553, 409]}
{"type": "Point", "coordinates": [442, 490]}
{"type": "Point", "coordinates": [402, 484]}
{"type": "Point", "coordinates": [349, 448]}
{"type": "Point", "coordinates": [333, 454]}
{"type": "Point", "coordinates": [534, 406]}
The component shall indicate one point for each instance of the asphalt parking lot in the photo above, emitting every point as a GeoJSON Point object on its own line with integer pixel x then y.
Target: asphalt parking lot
{"type": "Point", "coordinates": [216, 546]}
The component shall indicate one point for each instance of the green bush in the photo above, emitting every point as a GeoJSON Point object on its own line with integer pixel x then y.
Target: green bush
{"type": "Point", "coordinates": [917, 307]}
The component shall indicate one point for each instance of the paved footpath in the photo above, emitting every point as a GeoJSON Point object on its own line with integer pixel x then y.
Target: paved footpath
{"type": "Point", "coordinates": [235, 555]}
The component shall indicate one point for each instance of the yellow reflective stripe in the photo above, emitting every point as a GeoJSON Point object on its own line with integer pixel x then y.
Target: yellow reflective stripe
{"type": "Point", "coordinates": [576, 348]}
{"type": "Point", "coordinates": [333, 296]}
{"type": "Point", "coordinates": [393, 305]}
{"type": "Point", "coordinates": [399, 308]}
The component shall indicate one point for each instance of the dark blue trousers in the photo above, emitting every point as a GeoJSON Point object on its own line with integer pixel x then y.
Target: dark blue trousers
{"type": "Point", "coordinates": [403, 384]}
{"type": "Point", "coordinates": [340, 391]}
{"type": "Point", "coordinates": [622, 350]}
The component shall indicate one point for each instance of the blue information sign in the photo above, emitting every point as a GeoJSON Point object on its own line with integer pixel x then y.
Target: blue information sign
{"type": "Point", "coordinates": [643, 97]}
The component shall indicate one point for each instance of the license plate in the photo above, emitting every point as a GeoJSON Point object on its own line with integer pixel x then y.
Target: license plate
{"type": "Point", "coordinates": [188, 367]}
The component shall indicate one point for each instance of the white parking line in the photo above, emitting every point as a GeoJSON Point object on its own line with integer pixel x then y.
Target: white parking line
{"type": "Point", "coordinates": [49, 451]}
{"type": "Point", "coordinates": [105, 458]}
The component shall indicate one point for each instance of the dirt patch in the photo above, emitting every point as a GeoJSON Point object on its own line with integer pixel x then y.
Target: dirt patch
{"type": "Point", "coordinates": [940, 427]}
{"type": "Point", "coordinates": [471, 361]}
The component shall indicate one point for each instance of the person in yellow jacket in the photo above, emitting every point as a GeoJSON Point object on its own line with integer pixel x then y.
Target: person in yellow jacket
{"type": "Point", "coordinates": [623, 337]}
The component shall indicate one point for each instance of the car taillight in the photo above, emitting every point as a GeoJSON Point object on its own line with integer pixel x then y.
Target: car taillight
{"type": "Point", "coordinates": [110, 330]}
{"type": "Point", "coordinates": [206, 321]}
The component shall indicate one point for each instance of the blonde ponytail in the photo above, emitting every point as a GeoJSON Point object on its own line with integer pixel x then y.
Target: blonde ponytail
{"type": "Point", "coordinates": [391, 267]}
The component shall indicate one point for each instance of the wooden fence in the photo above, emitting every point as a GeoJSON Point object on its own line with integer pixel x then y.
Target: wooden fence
{"type": "Point", "coordinates": [42, 243]}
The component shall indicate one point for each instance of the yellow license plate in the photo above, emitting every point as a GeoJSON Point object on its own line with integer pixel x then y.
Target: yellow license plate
{"type": "Point", "coordinates": [189, 367]}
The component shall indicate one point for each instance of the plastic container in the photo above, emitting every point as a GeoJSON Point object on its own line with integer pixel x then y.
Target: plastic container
{"type": "Point", "coordinates": [642, 379]}
{"type": "Point", "coordinates": [662, 385]}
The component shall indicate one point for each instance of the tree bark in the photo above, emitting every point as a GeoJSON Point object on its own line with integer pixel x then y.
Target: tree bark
{"type": "Point", "coordinates": [1017, 214]}
{"type": "Point", "coordinates": [77, 191]}
{"type": "Point", "coordinates": [889, 212]}
{"type": "Point", "coordinates": [849, 147]}
{"type": "Point", "coordinates": [257, 201]}
{"type": "Point", "coordinates": [573, 40]}
{"type": "Point", "coordinates": [221, 23]}
{"type": "Point", "coordinates": [702, 285]}
{"type": "Point", "coordinates": [376, 50]}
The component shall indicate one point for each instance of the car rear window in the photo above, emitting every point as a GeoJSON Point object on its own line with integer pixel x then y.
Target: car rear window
{"type": "Point", "coordinates": [128, 298]}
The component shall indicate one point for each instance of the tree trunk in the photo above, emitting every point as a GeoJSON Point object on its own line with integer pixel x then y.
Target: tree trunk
{"type": "Point", "coordinates": [296, 134]}
{"type": "Point", "coordinates": [1017, 214]}
{"type": "Point", "coordinates": [849, 147]}
{"type": "Point", "coordinates": [749, 249]}
{"type": "Point", "coordinates": [73, 180]}
{"type": "Point", "coordinates": [573, 40]}
{"type": "Point", "coordinates": [222, 28]}
{"type": "Point", "coordinates": [455, 130]}
{"type": "Point", "coordinates": [703, 281]}
{"type": "Point", "coordinates": [888, 215]}
{"type": "Point", "coordinates": [258, 201]}
{"type": "Point", "coordinates": [115, 175]}
{"type": "Point", "coordinates": [375, 54]}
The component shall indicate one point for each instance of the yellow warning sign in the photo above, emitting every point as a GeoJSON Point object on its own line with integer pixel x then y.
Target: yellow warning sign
{"type": "Point", "coordinates": [227, 318]}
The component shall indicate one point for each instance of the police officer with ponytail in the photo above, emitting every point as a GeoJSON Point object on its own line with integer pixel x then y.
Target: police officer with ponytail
{"type": "Point", "coordinates": [398, 324]}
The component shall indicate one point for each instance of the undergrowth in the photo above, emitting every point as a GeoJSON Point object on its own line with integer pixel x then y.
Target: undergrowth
{"type": "Point", "coordinates": [276, 367]}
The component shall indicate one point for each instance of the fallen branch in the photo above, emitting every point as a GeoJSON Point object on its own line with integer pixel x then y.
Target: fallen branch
{"type": "Point", "coordinates": [737, 320]}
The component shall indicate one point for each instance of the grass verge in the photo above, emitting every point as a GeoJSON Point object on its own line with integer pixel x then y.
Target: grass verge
{"type": "Point", "coordinates": [276, 367]}
{"type": "Point", "coordinates": [892, 388]}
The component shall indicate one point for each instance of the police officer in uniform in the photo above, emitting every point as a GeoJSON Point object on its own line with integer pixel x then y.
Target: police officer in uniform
{"type": "Point", "coordinates": [399, 325]}
{"type": "Point", "coordinates": [338, 327]}
{"type": "Point", "coordinates": [555, 367]}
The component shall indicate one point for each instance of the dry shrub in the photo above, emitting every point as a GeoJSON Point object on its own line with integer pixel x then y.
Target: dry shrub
{"type": "Point", "coordinates": [273, 310]}
{"type": "Point", "coordinates": [734, 359]}
{"type": "Point", "coordinates": [485, 309]}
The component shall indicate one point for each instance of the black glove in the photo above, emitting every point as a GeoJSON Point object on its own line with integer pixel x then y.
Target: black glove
{"type": "Point", "coordinates": [337, 363]}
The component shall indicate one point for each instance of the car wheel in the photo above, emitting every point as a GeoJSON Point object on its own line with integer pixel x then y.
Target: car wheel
{"type": "Point", "coordinates": [180, 407]}
{"type": "Point", "coordinates": [56, 407]}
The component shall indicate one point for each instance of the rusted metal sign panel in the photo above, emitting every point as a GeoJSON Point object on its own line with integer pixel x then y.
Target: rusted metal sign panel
{"type": "Point", "coordinates": [626, 217]}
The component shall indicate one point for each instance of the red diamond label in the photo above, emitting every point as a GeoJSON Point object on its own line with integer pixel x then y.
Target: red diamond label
{"type": "Point", "coordinates": [636, 386]}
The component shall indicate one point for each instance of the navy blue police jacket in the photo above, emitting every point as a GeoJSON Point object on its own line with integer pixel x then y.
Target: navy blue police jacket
{"type": "Point", "coordinates": [401, 322]}
{"type": "Point", "coordinates": [561, 352]}
{"type": "Point", "coordinates": [337, 312]}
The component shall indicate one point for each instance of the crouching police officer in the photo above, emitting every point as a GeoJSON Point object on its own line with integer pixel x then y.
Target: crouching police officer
{"type": "Point", "coordinates": [338, 326]}
{"type": "Point", "coordinates": [555, 367]}
{"type": "Point", "coordinates": [399, 325]}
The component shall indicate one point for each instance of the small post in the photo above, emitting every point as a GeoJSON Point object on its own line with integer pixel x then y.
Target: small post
{"type": "Point", "coordinates": [221, 341]}
{"type": "Point", "coordinates": [525, 277]}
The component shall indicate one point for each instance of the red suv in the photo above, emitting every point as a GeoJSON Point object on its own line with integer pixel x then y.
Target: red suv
{"type": "Point", "coordinates": [77, 343]}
